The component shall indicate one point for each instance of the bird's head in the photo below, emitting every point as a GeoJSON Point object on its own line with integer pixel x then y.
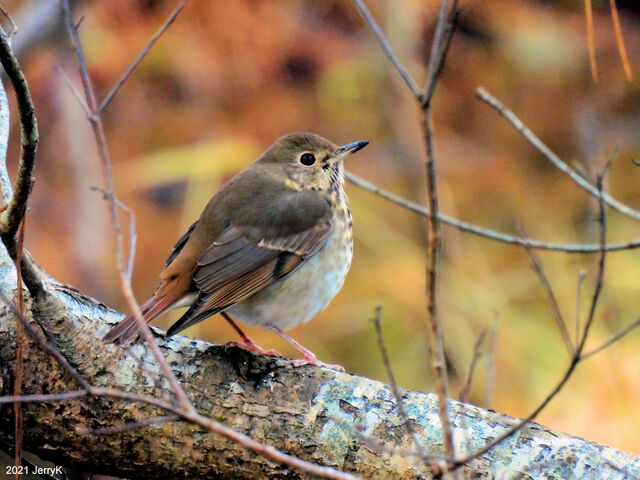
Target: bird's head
{"type": "Point", "coordinates": [311, 161]}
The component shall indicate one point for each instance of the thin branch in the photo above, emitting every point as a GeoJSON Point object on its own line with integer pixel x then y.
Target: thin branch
{"type": "Point", "coordinates": [581, 277]}
{"type": "Point", "coordinates": [132, 229]}
{"type": "Point", "coordinates": [591, 41]}
{"type": "Point", "coordinates": [132, 238]}
{"type": "Point", "coordinates": [74, 90]}
{"type": "Point", "coordinates": [44, 398]}
{"type": "Point", "coordinates": [377, 323]}
{"type": "Point", "coordinates": [128, 427]}
{"type": "Point", "coordinates": [622, 50]}
{"type": "Point", "coordinates": [552, 157]}
{"type": "Point", "coordinates": [103, 151]}
{"type": "Point", "coordinates": [602, 220]}
{"type": "Point", "coordinates": [14, 27]}
{"type": "Point", "coordinates": [485, 232]}
{"type": "Point", "coordinates": [438, 362]}
{"type": "Point", "coordinates": [537, 267]}
{"type": "Point", "coordinates": [618, 336]}
{"type": "Point", "coordinates": [386, 48]}
{"type": "Point", "coordinates": [140, 57]}
{"type": "Point", "coordinates": [491, 364]}
{"type": "Point", "coordinates": [464, 393]}
{"type": "Point", "coordinates": [13, 213]}
{"type": "Point", "coordinates": [12, 216]}
{"type": "Point", "coordinates": [19, 367]}
{"type": "Point", "coordinates": [439, 49]}
{"type": "Point", "coordinates": [98, 130]}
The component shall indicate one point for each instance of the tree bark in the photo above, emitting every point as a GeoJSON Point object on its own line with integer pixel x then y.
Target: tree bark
{"type": "Point", "coordinates": [335, 419]}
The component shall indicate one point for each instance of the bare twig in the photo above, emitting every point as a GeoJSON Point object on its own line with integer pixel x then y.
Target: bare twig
{"type": "Point", "coordinates": [485, 232]}
{"type": "Point", "coordinates": [439, 48]}
{"type": "Point", "coordinates": [14, 27]}
{"type": "Point", "coordinates": [19, 367]}
{"type": "Point", "coordinates": [98, 130]}
{"type": "Point", "coordinates": [591, 42]}
{"type": "Point", "coordinates": [103, 151]}
{"type": "Point", "coordinates": [622, 50]}
{"type": "Point", "coordinates": [45, 397]}
{"type": "Point", "coordinates": [140, 57]}
{"type": "Point", "coordinates": [537, 267]}
{"type": "Point", "coordinates": [464, 393]}
{"type": "Point", "coordinates": [132, 229]}
{"type": "Point", "coordinates": [12, 216]}
{"type": "Point", "coordinates": [581, 277]}
{"type": "Point", "coordinates": [74, 90]}
{"type": "Point", "coordinates": [491, 364]}
{"type": "Point", "coordinates": [128, 427]}
{"type": "Point", "coordinates": [602, 220]}
{"type": "Point", "coordinates": [438, 362]}
{"type": "Point", "coordinates": [13, 213]}
{"type": "Point", "coordinates": [377, 323]}
{"type": "Point", "coordinates": [552, 157]}
{"type": "Point", "coordinates": [386, 48]}
{"type": "Point", "coordinates": [618, 336]}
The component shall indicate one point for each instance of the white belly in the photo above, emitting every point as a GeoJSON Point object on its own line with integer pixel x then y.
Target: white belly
{"type": "Point", "coordinates": [299, 296]}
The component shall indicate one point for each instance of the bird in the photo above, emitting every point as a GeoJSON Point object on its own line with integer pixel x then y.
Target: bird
{"type": "Point", "coordinates": [271, 248]}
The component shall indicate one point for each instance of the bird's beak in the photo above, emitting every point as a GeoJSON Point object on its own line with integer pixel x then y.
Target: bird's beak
{"type": "Point", "coordinates": [350, 148]}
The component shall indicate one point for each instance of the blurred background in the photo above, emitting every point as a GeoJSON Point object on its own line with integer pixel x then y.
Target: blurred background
{"type": "Point", "coordinates": [229, 78]}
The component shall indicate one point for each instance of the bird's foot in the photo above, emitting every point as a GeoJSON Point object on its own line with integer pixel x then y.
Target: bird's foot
{"type": "Point", "coordinates": [252, 346]}
{"type": "Point", "coordinates": [311, 359]}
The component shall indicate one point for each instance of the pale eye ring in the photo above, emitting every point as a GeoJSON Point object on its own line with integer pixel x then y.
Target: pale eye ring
{"type": "Point", "coordinates": [307, 159]}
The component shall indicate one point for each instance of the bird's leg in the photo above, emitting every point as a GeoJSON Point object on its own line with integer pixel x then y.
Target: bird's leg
{"type": "Point", "coordinates": [247, 343]}
{"type": "Point", "coordinates": [309, 357]}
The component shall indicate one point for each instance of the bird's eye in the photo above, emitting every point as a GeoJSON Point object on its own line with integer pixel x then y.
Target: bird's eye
{"type": "Point", "coordinates": [307, 159]}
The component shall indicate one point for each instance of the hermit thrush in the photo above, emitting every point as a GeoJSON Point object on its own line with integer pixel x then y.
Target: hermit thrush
{"type": "Point", "coordinates": [271, 248]}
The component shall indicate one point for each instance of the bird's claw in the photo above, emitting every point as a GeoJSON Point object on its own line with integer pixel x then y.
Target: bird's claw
{"type": "Point", "coordinates": [313, 360]}
{"type": "Point", "coordinates": [252, 346]}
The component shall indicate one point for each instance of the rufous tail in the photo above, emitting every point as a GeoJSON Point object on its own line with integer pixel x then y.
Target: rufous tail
{"type": "Point", "coordinates": [127, 328]}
